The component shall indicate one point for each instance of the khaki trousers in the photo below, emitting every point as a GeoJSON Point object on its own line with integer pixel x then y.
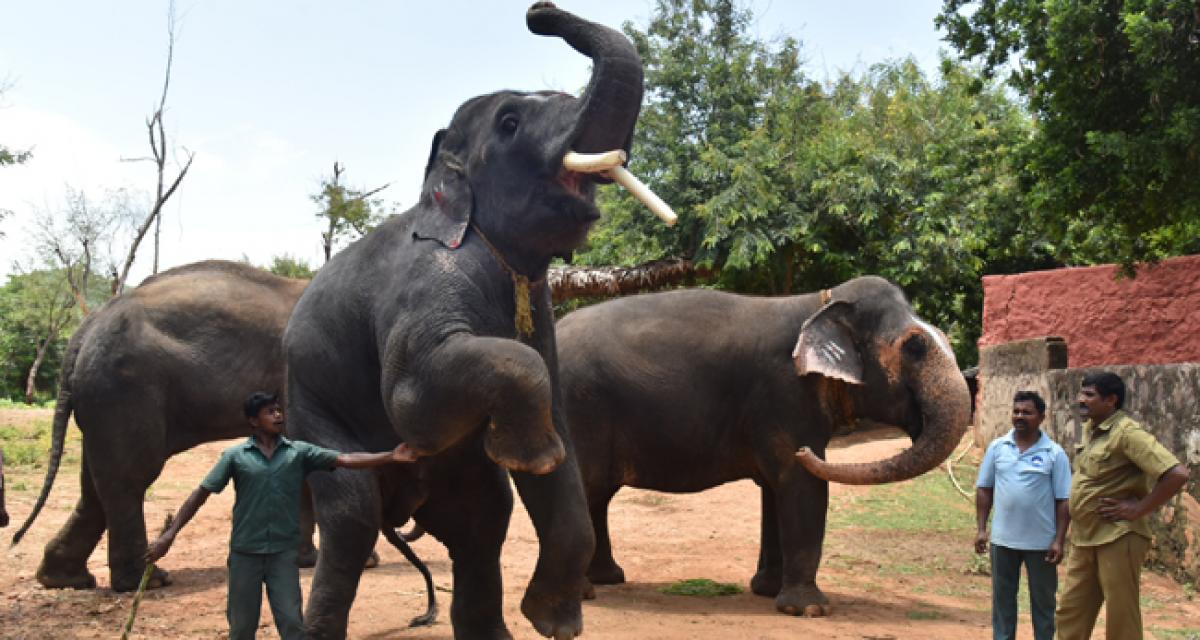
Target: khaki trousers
{"type": "Point", "coordinates": [1108, 574]}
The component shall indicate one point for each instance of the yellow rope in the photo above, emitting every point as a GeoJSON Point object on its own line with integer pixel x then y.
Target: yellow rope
{"type": "Point", "coordinates": [522, 294]}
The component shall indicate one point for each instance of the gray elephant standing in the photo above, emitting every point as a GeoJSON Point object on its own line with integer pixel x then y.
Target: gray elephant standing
{"type": "Point", "coordinates": [437, 329]}
{"type": "Point", "coordinates": [685, 390]}
{"type": "Point", "coordinates": [156, 371]}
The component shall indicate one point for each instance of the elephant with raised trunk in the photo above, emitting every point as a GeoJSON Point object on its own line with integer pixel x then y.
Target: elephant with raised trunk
{"type": "Point", "coordinates": [436, 329]}
{"type": "Point", "coordinates": [686, 390]}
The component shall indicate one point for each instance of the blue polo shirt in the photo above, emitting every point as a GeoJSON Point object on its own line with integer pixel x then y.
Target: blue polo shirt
{"type": "Point", "coordinates": [1025, 487]}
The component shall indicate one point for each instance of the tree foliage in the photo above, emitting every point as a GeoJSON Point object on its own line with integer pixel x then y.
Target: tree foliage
{"type": "Point", "coordinates": [1114, 171]}
{"type": "Point", "coordinates": [348, 213]}
{"type": "Point", "coordinates": [38, 314]}
{"type": "Point", "coordinates": [289, 266]}
{"type": "Point", "coordinates": [785, 185]}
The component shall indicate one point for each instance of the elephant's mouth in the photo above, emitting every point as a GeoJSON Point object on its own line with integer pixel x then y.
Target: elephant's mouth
{"type": "Point", "coordinates": [609, 166]}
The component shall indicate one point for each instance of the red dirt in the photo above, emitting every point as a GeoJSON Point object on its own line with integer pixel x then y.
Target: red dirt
{"type": "Point", "coordinates": [907, 586]}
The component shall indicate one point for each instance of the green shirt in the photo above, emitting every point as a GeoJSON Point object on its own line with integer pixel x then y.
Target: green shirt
{"type": "Point", "coordinates": [1118, 459]}
{"type": "Point", "coordinates": [266, 514]}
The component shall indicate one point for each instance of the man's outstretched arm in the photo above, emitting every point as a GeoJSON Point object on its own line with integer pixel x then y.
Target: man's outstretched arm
{"type": "Point", "coordinates": [159, 547]}
{"type": "Point", "coordinates": [402, 453]}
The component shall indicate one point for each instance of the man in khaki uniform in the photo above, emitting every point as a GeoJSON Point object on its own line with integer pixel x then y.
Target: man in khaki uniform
{"type": "Point", "coordinates": [1122, 474]}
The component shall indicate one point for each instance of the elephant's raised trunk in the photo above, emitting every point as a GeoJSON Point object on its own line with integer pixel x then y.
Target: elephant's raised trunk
{"type": "Point", "coordinates": [610, 105]}
{"type": "Point", "coordinates": [945, 407]}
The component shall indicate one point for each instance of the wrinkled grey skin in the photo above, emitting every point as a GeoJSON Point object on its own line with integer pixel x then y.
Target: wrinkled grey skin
{"type": "Point", "coordinates": [409, 335]}
{"type": "Point", "coordinates": [686, 390]}
{"type": "Point", "coordinates": [156, 371]}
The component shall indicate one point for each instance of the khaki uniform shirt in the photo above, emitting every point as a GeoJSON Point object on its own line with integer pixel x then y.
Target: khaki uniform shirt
{"type": "Point", "coordinates": [1118, 459]}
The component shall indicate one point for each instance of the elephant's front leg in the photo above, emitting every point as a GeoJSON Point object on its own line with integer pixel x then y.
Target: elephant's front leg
{"type": "Point", "coordinates": [768, 580]}
{"type": "Point", "coordinates": [437, 399]}
{"type": "Point", "coordinates": [557, 507]}
{"type": "Point", "coordinates": [801, 504]}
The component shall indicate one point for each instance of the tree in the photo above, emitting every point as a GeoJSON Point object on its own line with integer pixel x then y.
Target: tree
{"type": "Point", "coordinates": [348, 213]}
{"type": "Point", "coordinates": [81, 242]}
{"type": "Point", "coordinates": [291, 267]}
{"type": "Point", "coordinates": [1113, 172]}
{"type": "Point", "coordinates": [709, 88]}
{"type": "Point", "coordinates": [37, 315]}
{"type": "Point", "coordinates": [165, 186]}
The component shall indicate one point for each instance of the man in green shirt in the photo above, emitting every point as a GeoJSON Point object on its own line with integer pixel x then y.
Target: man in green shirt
{"type": "Point", "coordinates": [1122, 474]}
{"type": "Point", "coordinates": [267, 471]}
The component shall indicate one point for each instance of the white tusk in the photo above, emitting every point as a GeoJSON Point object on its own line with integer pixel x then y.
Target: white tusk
{"type": "Point", "coordinates": [640, 191]}
{"type": "Point", "coordinates": [594, 162]}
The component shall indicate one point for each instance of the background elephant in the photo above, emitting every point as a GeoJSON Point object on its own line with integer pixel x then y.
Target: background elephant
{"type": "Point", "coordinates": [685, 390]}
{"type": "Point", "coordinates": [436, 329]}
{"type": "Point", "coordinates": [154, 372]}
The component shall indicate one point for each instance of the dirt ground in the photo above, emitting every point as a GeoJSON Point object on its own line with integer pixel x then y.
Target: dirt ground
{"type": "Point", "coordinates": [898, 585]}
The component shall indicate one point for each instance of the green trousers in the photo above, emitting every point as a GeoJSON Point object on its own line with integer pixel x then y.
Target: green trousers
{"type": "Point", "coordinates": [247, 574]}
{"type": "Point", "coordinates": [1108, 574]}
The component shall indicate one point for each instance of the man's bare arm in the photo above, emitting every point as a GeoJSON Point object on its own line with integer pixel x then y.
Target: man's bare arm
{"type": "Point", "coordinates": [402, 453]}
{"type": "Point", "coordinates": [187, 510]}
{"type": "Point", "coordinates": [983, 507]}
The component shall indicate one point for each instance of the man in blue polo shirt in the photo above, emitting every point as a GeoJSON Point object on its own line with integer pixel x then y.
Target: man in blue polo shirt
{"type": "Point", "coordinates": [267, 471]}
{"type": "Point", "coordinates": [1027, 476]}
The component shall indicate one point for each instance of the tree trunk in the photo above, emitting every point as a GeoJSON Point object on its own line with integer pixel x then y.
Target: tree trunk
{"type": "Point", "coordinates": [608, 282]}
{"type": "Point", "coordinates": [30, 380]}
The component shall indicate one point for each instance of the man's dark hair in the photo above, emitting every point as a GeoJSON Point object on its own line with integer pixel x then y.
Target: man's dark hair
{"type": "Point", "coordinates": [257, 401]}
{"type": "Point", "coordinates": [1031, 396]}
{"type": "Point", "coordinates": [1106, 384]}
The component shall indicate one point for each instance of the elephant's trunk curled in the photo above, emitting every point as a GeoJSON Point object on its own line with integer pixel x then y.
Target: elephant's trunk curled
{"type": "Point", "coordinates": [610, 104]}
{"type": "Point", "coordinates": [945, 405]}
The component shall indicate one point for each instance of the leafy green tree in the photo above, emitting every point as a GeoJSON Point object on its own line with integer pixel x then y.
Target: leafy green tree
{"type": "Point", "coordinates": [348, 213]}
{"type": "Point", "coordinates": [38, 313]}
{"type": "Point", "coordinates": [714, 96]}
{"type": "Point", "coordinates": [1113, 173]}
{"type": "Point", "coordinates": [291, 267]}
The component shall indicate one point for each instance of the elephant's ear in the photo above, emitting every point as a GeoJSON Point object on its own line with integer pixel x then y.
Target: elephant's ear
{"type": "Point", "coordinates": [446, 199]}
{"type": "Point", "coordinates": [827, 347]}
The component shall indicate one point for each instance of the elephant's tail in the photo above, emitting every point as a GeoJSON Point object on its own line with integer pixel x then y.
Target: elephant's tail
{"type": "Point", "coordinates": [413, 534]}
{"type": "Point", "coordinates": [431, 611]}
{"type": "Point", "coordinates": [63, 408]}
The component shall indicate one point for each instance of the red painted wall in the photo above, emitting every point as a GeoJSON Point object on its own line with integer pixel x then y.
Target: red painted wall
{"type": "Point", "coordinates": [1153, 318]}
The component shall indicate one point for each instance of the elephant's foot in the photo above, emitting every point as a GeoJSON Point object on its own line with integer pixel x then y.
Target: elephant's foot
{"type": "Point", "coordinates": [766, 583]}
{"type": "Point", "coordinates": [372, 560]}
{"type": "Point", "coordinates": [58, 578]}
{"type": "Point", "coordinates": [803, 600]}
{"type": "Point", "coordinates": [608, 572]}
{"type": "Point", "coordinates": [491, 633]}
{"type": "Point", "coordinates": [306, 557]}
{"type": "Point", "coordinates": [158, 579]}
{"type": "Point", "coordinates": [554, 614]}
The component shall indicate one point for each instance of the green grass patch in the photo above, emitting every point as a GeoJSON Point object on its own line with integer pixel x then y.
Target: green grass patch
{"type": "Point", "coordinates": [923, 615]}
{"type": "Point", "coordinates": [26, 445]}
{"type": "Point", "coordinates": [927, 503]}
{"type": "Point", "coordinates": [702, 587]}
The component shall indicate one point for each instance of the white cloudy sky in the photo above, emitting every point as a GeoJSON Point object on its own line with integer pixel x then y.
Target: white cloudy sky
{"type": "Point", "coordinates": [268, 95]}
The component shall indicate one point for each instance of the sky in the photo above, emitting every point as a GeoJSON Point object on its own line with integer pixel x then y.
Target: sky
{"type": "Point", "coordinates": [269, 95]}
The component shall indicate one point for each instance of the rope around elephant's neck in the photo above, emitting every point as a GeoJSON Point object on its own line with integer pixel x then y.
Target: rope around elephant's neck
{"type": "Point", "coordinates": [523, 318]}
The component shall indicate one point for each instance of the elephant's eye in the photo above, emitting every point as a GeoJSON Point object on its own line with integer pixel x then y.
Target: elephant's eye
{"type": "Point", "coordinates": [509, 123]}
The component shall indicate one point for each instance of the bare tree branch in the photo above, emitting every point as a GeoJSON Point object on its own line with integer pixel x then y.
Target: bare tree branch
{"type": "Point", "coordinates": [158, 150]}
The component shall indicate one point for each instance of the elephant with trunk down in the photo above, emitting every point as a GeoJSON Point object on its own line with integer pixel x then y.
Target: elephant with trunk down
{"type": "Point", "coordinates": [686, 390]}
{"type": "Point", "coordinates": [436, 329]}
{"type": "Point", "coordinates": [156, 371]}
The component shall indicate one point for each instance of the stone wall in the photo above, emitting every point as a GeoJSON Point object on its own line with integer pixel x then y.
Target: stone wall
{"type": "Point", "coordinates": [1162, 397]}
{"type": "Point", "coordinates": [1153, 318]}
